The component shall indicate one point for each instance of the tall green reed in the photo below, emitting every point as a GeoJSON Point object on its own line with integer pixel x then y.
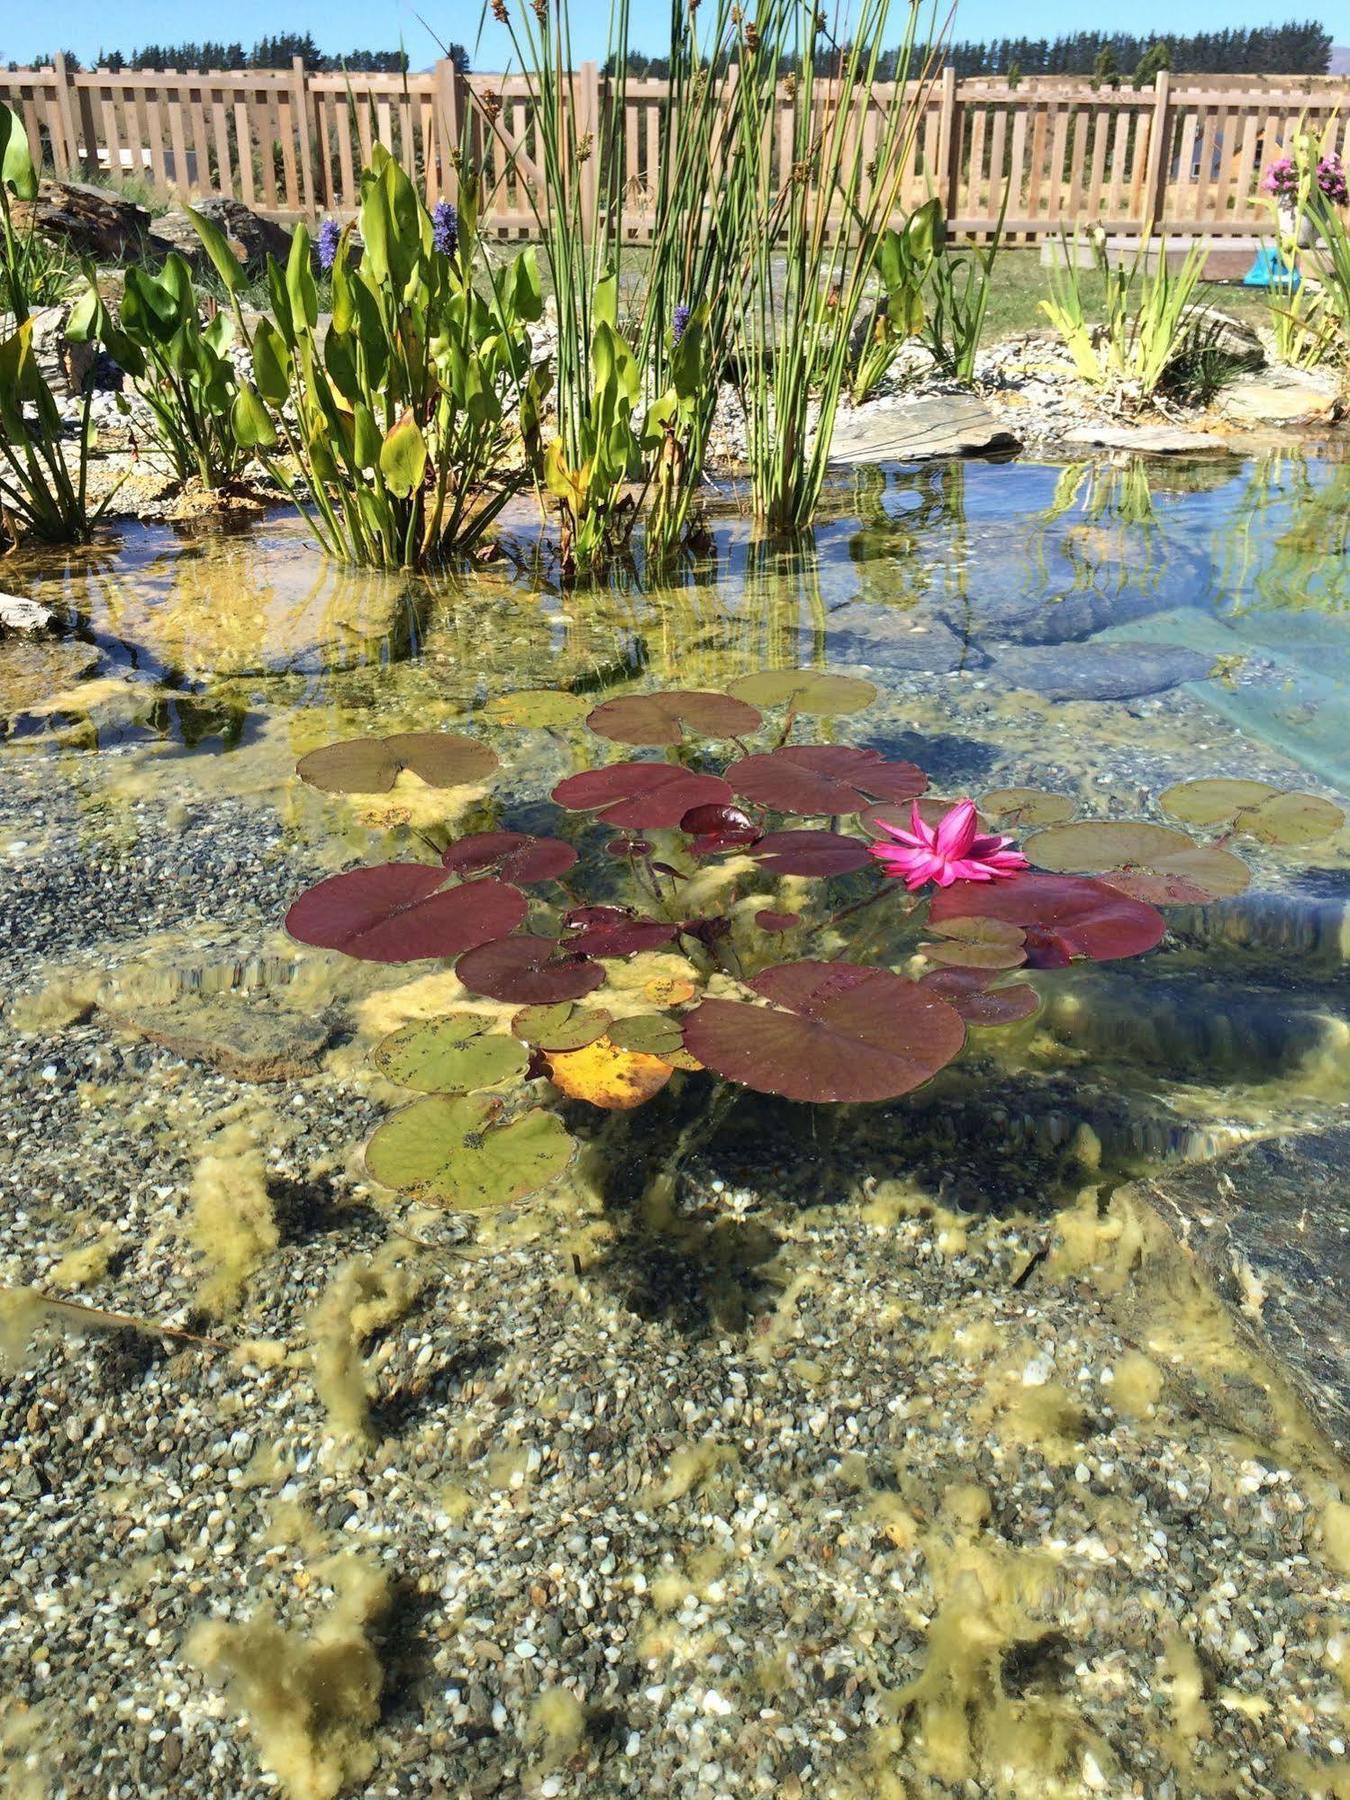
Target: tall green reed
{"type": "Point", "coordinates": [1150, 312]}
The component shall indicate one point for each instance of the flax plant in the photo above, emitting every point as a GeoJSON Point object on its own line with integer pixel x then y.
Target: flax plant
{"type": "Point", "coordinates": [822, 229]}
{"type": "Point", "coordinates": [1150, 313]}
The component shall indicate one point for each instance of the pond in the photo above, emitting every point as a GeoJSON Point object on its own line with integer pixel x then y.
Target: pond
{"type": "Point", "coordinates": [895, 1445]}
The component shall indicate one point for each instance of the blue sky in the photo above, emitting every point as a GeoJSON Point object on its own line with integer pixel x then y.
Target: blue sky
{"type": "Point", "coordinates": [85, 25]}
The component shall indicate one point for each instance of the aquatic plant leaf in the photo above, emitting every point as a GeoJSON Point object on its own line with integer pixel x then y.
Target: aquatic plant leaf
{"type": "Point", "coordinates": [371, 765]}
{"type": "Point", "coordinates": [1014, 808]}
{"type": "Point", "coordinates": [933, 809]}
{"type": "Point", "coordinates": [640, 795]}
{"type": "Point", "coordinates": [1213, 801]}
{"type": "Point", "coordinates": [1061, 916]}
{"type": "Point", "coordinates": [450, 1152]}
{"type": "Point", "coordinates": [608, 1076]}
{"type": "Point", "coordinates": [623, 936]}
{"type": "Point", "coordinates": [1091, 845]}
{"type": "Point", "coordinates": [771, 921]}
{"type": "Point", "coordinates": [450, 1055]}
{"type": "Point", "coordinates": [818, 853]}
{"type": "Point", "coordinates": [1157, 890]}
{"type": "Point", "coordinates": [668, 990]}
{"type": "Point", "coordinates": [1291, 819]}
{"type": "Point", "coordinates": [400, 912]}
{"type": "Point", "coordinates": [714, 821]}
{"type": "Point", "coordinates": [542, 708]}
{"type": "Point", "coordinates": [657, 1034]}
{"type": "Point", "coordinates": [979, 1004]}
{"type": "Point", "coordinates": [528, 971]}
{"type": "Point", "coordinates": [835, 1031]}
{"type": "Point", "coordinates": [807, 779]}
{"type": "Point", "coordinates": [666, 718]}
{"type": "Point", "coordinates": [809, 691]}
{"type": "Point", "coordinates": [976, 955]}
{"type": "Point", "coordinates": [516, 856]}
{"type": "Point", "coordinates": [560, 1027]}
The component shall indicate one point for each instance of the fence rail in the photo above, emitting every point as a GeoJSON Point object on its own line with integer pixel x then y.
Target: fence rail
{"type": "Point", "coordinates": [1185, 154]}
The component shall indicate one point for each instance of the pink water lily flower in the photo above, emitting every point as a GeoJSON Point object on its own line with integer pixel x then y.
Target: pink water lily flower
{"type": "Point", "coordinates": [946, 852]}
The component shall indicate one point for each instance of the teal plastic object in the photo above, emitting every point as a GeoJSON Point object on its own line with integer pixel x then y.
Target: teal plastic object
{"type": "Point", "coordinates": [1269, 272]}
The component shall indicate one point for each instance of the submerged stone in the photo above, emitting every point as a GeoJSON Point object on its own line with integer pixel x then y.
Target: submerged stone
{"type": "Point", "coordinates": [251, 1041]}
{"type": "Point", "coordinates": [1269, 1227]}
{"type": "Point", "coordinates": [1098, 671]}
{"type": "Point", "coordinates": [34, 670]}
{"type": "Point", "coordinates": [26, 618]}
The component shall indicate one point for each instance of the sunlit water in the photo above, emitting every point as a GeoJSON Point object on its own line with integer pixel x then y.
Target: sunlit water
{"type": "Point", "coordinates": [1098, 630]}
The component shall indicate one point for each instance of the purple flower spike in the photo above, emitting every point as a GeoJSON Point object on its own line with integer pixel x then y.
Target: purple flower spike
{"type": "Point", "coordinates": [329, 234]}
{"type": "Point", "coordinates": [679, 321]}
{"type": "Point", "coordinates": [444, 228]}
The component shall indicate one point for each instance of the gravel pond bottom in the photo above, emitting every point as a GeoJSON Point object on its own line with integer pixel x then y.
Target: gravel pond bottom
{"type": "Point", "coordinates": [900, 1456]}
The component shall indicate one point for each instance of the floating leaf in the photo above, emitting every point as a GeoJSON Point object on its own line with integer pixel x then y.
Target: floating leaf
{"type": "Point", "coordinates": [623, 936]}
{"type": "Point", "coordinates": [718, 828]}
{"type": "Point", "coordinates": [607, 1076]}
{"type": "Point", "coordinates": [976, 955]}
{"type": "Point", "coordinates": [658, 1034]}
{"type": "Point", "coordinates": [399, 912]}
{"type": "Point", "coordinates": [777, 921]}
{"type": "Point", "coordinates": [1157, 890]}
{"type": "Point", "coordinates": [542, 708]}
{"type": "Point", "coordinates": [516, 855]}
{"type": "Point", "coordinates": [978, 1004]}
{"type": "Point", "coordinates": [808, 779]}
{"type": "Point", "coordinates": [371, 765]}
{"type": "Point", "coordinates": [809, 691]}
{"type": "Point", "coordinates": [528, 971]}
{"type": "Point", "coordinates": [1213, 802]}
{"type": "Point", "coordinates": [1291, 819]}
{"type": "Point", "coordinates": [449, 1152]}
{"type": "Point", "coordinates": [1062, 916]}
{"type": "Point", "coordinates": [1014, 808]}
{"type": "Point", "coordinates": [669, 990]}
{"type": "Point", "coordinates": [450, 1055]}
{"type": "Point", "coordinates": [836, 1031]}
{"type": "Point", "coordinates": [663, 718]}
{"type": "Point", "coordinates": [560, 1027]}
{"type": "Point", "coordinates": [817, 853]}
{"type": "Point", "coordinates": [1094, 844]}
{"type": "Point", "coordinates": [640, 795]}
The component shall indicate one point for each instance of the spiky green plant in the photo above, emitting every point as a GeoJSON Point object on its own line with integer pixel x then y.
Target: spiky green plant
{"type": "Point", "coordinates": [1150, 312]}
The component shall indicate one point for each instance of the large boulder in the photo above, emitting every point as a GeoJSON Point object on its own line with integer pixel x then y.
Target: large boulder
{"type": "Point", "coordinates": [93, 221]}
{"type": "Point", "coordinates": [252, 238]}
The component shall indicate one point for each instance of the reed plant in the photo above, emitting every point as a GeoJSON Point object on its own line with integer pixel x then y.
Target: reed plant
{"type": "Point", "coordinates": [1150, 313]}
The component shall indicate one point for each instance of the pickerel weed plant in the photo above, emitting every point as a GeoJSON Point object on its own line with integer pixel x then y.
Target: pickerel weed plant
{"type": "Point", "coordinates": [180, 367]}
{"type": "Point", "coordinates": [398, 417]}
{"type": "Point", "coordinates": [705, 923]}
{"type": "Point", "coordinates": [904, 259]}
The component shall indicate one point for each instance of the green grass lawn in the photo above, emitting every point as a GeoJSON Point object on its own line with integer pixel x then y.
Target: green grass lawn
{"type": "Point", "coordinates": [1020, 283]}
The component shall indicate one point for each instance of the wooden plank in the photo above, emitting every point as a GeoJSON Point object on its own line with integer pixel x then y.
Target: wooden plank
{"type": "Point", "coordinates": [1182, 198]}
{"type": "Point", "coordinates": [342, 126]}
{"type": "Point", "coordinates": [1097, 180]}
{"type": "Point", "coordinates": [301, 122]}
{"type": "Point", "coordinates": [1204, 185]}
{"type": "Point", "coordinates": [200, 144]}
{"type": "Point", "coordinates": [243, 146]}
{"type": "Point", "coordinates": [1036, 174]}
{"type": "Point", "coordinates": [1017, 172]}
{"type": "Point", "coordinates": [267, 140]}
{"type": "Point", "coordinates": [178, 144]}
{"type": "Point", "coordinates": [66, 106]}
{"type": "Point", "coordinates": [220, 134]}
{"type": "Point", "coordinates": [1078, 167]}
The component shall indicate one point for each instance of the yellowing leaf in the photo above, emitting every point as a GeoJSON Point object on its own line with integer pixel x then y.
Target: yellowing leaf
{"type": "Point", "coordinates": [606, 1076]}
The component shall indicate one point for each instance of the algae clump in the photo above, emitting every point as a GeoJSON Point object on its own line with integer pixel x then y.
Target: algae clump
{"type": "Point", "coordinates": [312, 1702]}
{"type": "Point", "coordinates": [363, 1297]}
{"type": "Point", "coordinates": [233, 1225]}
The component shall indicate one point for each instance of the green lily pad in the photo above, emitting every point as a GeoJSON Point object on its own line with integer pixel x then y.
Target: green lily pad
{"type": "Point", "coordinates": [1026, 806]}
{"type": "Point", "coordinates": [371, 765]}
{"type": "Point", "coordinates": [809, 691]}
{"type": "Point", "coordinates": [1093, 845]}
{"type": "Point", "coordinates": [560, 1027]}
{"type": "Point", "coordinates": [449, 1152]}
{"type": "Point", "coordinates": [656, 1034]}
{"type": "Point", "coordinates": [450, 1055]}
{"type": "Point", "coordinates": [979, 944]}
{"type": "Point", "coordinates": [540, 708]}
{"type": "Point", "coordinates": [1291, 819]}
{"type": "Point", "coordinates": [1215, 802]}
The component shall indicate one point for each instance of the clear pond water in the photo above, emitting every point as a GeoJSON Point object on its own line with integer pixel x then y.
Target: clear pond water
{"type": "Point", "coordinates": [816, 1479]}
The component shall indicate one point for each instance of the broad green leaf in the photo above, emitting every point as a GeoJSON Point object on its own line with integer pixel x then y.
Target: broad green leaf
{"type": "Point", "coordinates": [527, 296]}
{"type": "Point", "coordinates": [271, 364]}
{"type": "Point", "coordinates": [810, 691]}
{"type": "Point", "coordinates": [366, 437]}
{"type": "Point", "coordinates": [452, 1153]}
{"type": "Point", "coordinates": [1016, 807]}
{"type": "Point", "coordinates": [450, 1055]}
{"type": "Point", "coordinates": [1213, 801]}
{"type": "Point", "coordinates": [251, 422]}
{"type": "Point", "coordinates": [300, 288]}
{"type": "Point", "coordinates": [403, 458]}
{"type": "Point", "coordinates": [17, 172]}
{"type": "Point", "coordinates": [562, 1026]}
{"type": "Point", "coordinates": [1291, 819]}
{"type": "Point", "coordinates": [538, 707]}
{"type": "Point", "coordinates": [227, 265]}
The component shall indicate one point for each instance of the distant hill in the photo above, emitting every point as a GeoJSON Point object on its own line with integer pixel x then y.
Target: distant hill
{"type": "Point", "coordinates": [1340, 60]}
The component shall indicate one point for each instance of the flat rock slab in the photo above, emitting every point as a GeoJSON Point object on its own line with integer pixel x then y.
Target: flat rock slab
{"type": "Point", "coordinates": [1269, 1226]}
{"type": "Point", "coordinates": [897, 641]}
{"type": "Point", "coordinates": [1097, 671]}
{"type": "Point", "coordinates": [1149, 440]}
{"type": "Point", "coordinates": [32, 670]}
{"type": "Point", "coordinates": [918, 429]}
{"type": "Point", "coordinates": [249, 1040]}
{"type": "Point", "coordinates": [1289, 398]}
{"type": "Point", "coordinates": [26, 618]}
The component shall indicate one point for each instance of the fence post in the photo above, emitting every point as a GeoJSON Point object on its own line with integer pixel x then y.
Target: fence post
{"type": "Point", "coordinates": [588, 121]}
{"type": "Point", "coordinates": [949, 145]}
{"type": "Point", "coordinates": [447, 128]}
{"type": "Point", "coordinates": [300, 107]}
{"type": "Point", "coordinates": [65, 111]}
{"type": "Point", "coordinates": [1155, 175]}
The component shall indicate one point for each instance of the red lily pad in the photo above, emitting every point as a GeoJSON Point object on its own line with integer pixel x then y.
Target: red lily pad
{"type": "Point", "coordinates": [817, 853]}
{"type": "Point", "coordinates": [1157, 890]}
{"type": "Point", "coordinates": [1134, 844]}
{"type": "Point", "coordinates": [639, 795]}
{"type": "Point", "coordinates": [807, 779]}
{"type": "Point", "coordinates": [400, 912]}
{"type": "Point", "coordinates": [516, 855]}
{"type": "Point", "coordinates": [715, 829]}
{"type": "Point", "coordinates": [621, 936]}
{"type": "Point", "coordinates": [371, 765]}
{"type": "Point", "coordinates": [1061, 916]}
{"type": "Point", "coordinates": [836, 1031]}
{"type": "Point", "coordinates": [528, 971]}
{"type": "Point", "coordinates": [665, 718]}
{"type": "Point", "coordinates": [979, 1004]}
{"type": "Point", "coordinates": [767, 920]}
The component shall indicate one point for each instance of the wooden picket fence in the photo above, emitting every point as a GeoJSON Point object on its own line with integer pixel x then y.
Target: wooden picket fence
{"type": "Point", "coordinates": [1185, 154]}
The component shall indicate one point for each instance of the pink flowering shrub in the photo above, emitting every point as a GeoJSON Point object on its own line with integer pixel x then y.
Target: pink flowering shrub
{"type": "Point", "coordinates": [1282, 180]}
